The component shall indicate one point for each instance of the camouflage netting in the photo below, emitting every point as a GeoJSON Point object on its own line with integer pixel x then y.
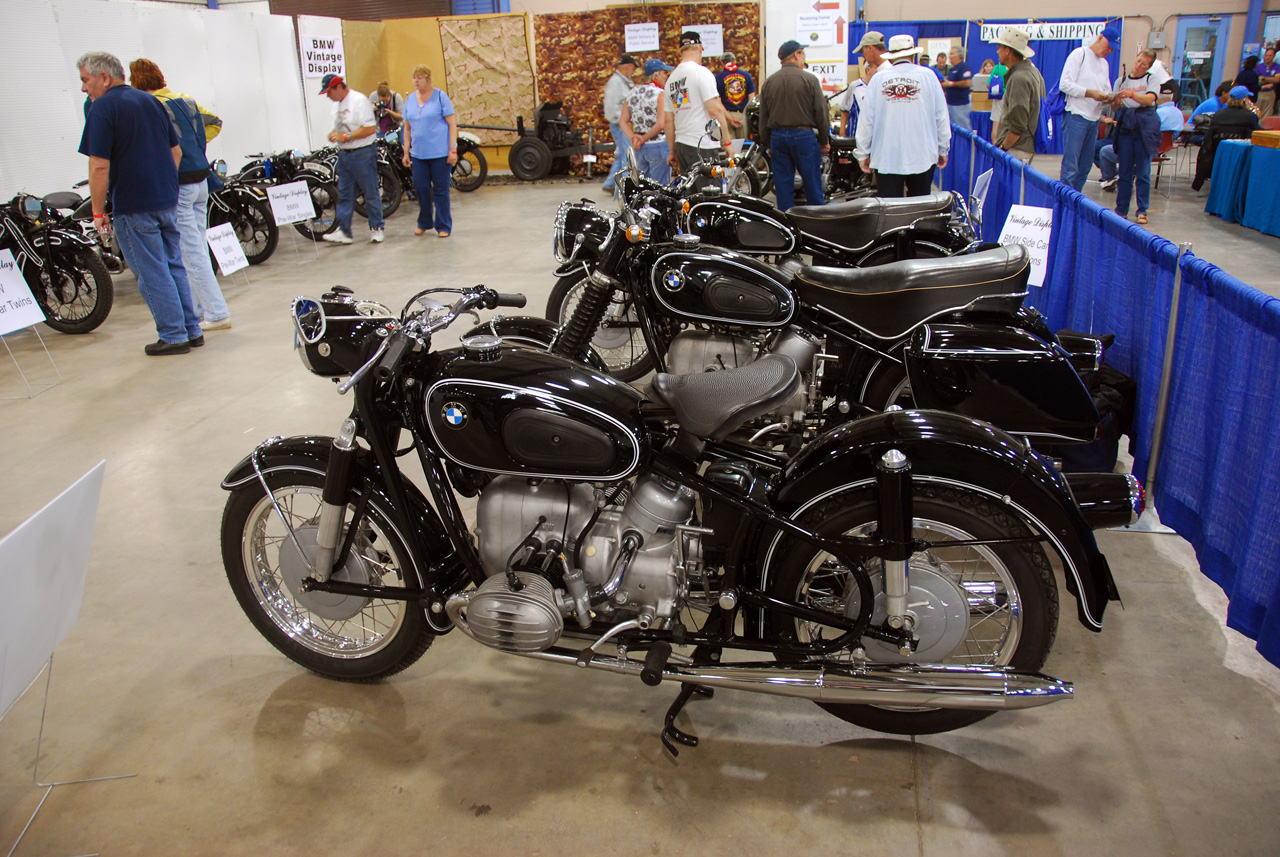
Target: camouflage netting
{"type": "Point", "coordinates": [576, 51]}
{"type": "Point", "coordinates": [487, 66]}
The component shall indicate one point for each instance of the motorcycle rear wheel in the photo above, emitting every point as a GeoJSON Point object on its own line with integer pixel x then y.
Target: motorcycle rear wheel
{"type": "Point", "coordinates": [254, 225]}
{"type": "Point", "coordinates": [470, 170]}
{"type": "Point", "coordinates": [623, 349]}
{"type": "Point", "coordinates": [324, 196]}
{"type": "Point", "coordinates": [379, 638]}
{"type": "Point", "coordinates": [390, 188]}
{"type": "Point", "coordinates": [1009, 593]}
{"type": "Point", "coordinates": [74, 289]}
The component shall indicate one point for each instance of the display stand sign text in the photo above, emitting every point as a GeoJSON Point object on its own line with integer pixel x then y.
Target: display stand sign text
{"type": "Point", "coordinates": [1031, 227]}
{"type": "Point", "coordinates": [642, 37]}
{"type": "Point", "coordinates": [226, 248]}
{"type": "Point", "coordinates": [291, 203]}
{"type": "Point", "coordinates": [18, 309]}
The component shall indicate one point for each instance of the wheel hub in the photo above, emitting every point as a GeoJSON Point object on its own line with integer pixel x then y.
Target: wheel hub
{"type": "Point", "coordinates": [940, 610]}
{"type": "Point", "coordinates": [295, 567]}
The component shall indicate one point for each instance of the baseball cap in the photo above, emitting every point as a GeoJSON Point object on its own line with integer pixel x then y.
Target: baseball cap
{"type": "Point", "coordinates": [329, 81]}
{"type": "Point", "coordinates": [728, 56]}
{"type": "Point", "coordinates": [627, 59]}
{"type": "Point", "coordinates": [650, 66]}
{"type": "Point", "coordinates": [1112, 36]}
{"type": "Point", "coordinates": [871, 39]}
{"type": "Point", "coordinates": [789, 47]}
{"type": "Point", "coordinates": [690, 37]}
{"type": "Point", "coordinates": [1240, 92]}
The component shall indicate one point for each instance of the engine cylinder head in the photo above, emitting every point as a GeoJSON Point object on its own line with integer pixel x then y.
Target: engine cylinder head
{"type": "Point", "coordinates": [520, 622]}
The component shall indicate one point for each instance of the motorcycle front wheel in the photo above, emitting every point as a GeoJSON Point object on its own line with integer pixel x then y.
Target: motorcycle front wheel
{"type": "Point", "coordinates": [619, 341]}
{"type": "Point", "coordinates": [390, 188]}
{"type": "Point", "coordinates": [75, 290]}
{"type": "Point", "coordinates": [254, 225]}
{"type": "Point", "coordinates": [470, 170]}
{"type": "Point", "coordinates": [984, 605]}
{"type": "Point", "coordinates": [343, 637]}
{"type": "Point", "coordinates": [324, 196]}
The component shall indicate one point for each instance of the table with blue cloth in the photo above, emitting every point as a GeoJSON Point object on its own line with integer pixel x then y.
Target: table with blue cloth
{"type": "Point", "coordinates": [1228, 184]}
{"type": "Point", "coordinates": [1262, 193]}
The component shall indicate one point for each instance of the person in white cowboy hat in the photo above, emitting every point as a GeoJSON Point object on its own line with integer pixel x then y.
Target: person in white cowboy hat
{"type": "Point", "coordinates": [904, 130]}
{"type": "Point", "coordinates": [1023, 90]}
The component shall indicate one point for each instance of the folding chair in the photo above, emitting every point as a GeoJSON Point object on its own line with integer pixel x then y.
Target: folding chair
{"type": "Point", "coordinates": [1162, 156]}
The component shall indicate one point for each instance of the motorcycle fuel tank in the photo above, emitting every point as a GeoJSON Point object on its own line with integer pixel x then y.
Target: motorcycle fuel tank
{"type": "Point", "coordinates": [714, 285]}
{"type": "Point", "coordinates": [741, 223]}
{"type": "Point", "coordinates": [528, 413]}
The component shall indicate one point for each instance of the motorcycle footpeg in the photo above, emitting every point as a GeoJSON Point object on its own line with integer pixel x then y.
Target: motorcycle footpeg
{"type": "Point", "coordinates": [655, 662]}
{"type": "Point", "coordinates": [585, 657]}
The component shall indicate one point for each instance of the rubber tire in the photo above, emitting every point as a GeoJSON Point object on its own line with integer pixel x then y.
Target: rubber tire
{"type": "Point", "coordinates": [411, 640]}
{"type": "Point", "coordinates": [324, 196]}
{"type": "Point", "coordinates": [479, 170]}
{"type": "Point", "coordinates": [88, 268]}
{"type": "Point", "coordinates": [244, 207]}
{"type": "Point", "coordinates": [886, 386]}
{"type": "Point", "coordinates": [630, 371]}
{"type": "Point", "coordinates": [752, 180]}
{"type": "Point", "coordinates": [969, 512]}
{"type": "Point", "coordinates": [529, 159]}
{"type": "Point", "coordinates": [391, 189]}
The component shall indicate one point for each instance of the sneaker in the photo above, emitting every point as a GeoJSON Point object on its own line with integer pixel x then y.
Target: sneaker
{"type": "Point", "coordinates": [159, 348]}
{"type": "Point", "coordinates": [376, 236]}
{"type": "Point", "coordinates": [1110, 184]}
{"type": "Point", "coordinates": [337, 236]}
{"type": "Point", "coordinates": [218, 324]}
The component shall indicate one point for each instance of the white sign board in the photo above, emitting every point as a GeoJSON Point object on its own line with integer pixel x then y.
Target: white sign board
{"type": "Point", "coordinates": [42, 569]}
{"type": "Point", "coordinates": [833, 74]}
{"type": "Point", "coordinates": [642, 37]}
{"type": "Point", "coordinates": [291, 203]}
{"type": "Point", "coordinates": [1031, 227]}
{"type": "Point", "coordinates": [938, 46]}
{"type": "Point", "coordinates": [321, 48]}
{"type": "Point", "coordinates": [816, 29]}
{"type": "Point", "coordinates": [226, 248]}
{"type": "Point", "coordinates": [712, 38]}
{"type": "Point", "coordinates": [1067, 31]}
{"type": "Point", "coordinates": [18, 309]}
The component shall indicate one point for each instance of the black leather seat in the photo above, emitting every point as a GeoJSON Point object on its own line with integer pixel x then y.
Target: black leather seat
{"type": "Point", "coordinates": [842, 143]}
{"type": "Point", "coordinates": [64, 199]}
{"type": "Point", "coordinates": [713, 404]}
{"type": "Point", "coordinates": [858, 222]}
{"type": "Point", "coordinates": [889, 300]}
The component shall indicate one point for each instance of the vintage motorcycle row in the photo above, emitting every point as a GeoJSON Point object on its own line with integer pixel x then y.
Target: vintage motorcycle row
{"type": "Point", "coordinates": [755, 528]}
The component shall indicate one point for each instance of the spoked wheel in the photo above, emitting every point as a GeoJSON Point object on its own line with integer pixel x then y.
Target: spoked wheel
{"type": "Point", "coordinates": [747, 183]}
{"type": "Point", "coordinates": [470, 170]}
{"type": "Point", "coordinates": [324, 196]}
{"type": "Point", "coordinates": [74, 290]}
{"type": "Point", "coordinates": [390, 188]}
{"type": "Point", "coordinates": [254, 225]}
{"type": "Point", "coordinates": [986, 605]}
{"type": "Point", "coordinates": [619, 340]}
{"type": "Point", "coordinates": [340, 636]}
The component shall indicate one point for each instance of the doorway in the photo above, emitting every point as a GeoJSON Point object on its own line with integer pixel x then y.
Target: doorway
{"type": "Point", "coordinates": [1199, 55]}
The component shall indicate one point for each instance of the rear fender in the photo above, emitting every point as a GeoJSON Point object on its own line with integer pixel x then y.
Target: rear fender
{"type": "Point", "coordinates": [951, 450]}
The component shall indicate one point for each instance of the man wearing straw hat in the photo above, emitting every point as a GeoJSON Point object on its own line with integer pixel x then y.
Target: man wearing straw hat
{"type": "Point", "coordinates": [1024, 88]}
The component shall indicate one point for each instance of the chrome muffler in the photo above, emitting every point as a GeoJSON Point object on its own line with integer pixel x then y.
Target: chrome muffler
{"type": "Point", "coordinates": [907, 685]}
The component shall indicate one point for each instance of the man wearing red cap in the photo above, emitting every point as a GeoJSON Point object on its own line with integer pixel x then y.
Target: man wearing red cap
{"type": "Point", "coordinates": [354, 127]}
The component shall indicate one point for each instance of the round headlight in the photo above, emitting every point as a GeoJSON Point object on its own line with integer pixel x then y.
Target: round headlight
{"type": "Point", "coordinates": [580, 229]}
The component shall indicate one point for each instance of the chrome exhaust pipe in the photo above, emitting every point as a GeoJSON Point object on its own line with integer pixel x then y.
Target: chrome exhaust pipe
{"type": "Point", "coordinates": [906, 685]}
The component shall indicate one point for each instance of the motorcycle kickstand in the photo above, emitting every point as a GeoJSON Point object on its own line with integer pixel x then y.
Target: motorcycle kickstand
{"type": "Point", "coordinates": [669, 731]}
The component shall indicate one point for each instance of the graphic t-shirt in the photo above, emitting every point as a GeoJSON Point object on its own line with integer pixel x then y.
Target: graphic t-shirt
{"type": "Point", "coordinates": [735, 87]}
{"type": "Point", "coordinates": [689, 88]}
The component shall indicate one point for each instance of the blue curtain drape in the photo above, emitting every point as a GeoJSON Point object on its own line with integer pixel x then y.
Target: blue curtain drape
{"type": "Point", "coordinates": [957, 168]}
{"type": "Point", "coordinates": [1218, 480]}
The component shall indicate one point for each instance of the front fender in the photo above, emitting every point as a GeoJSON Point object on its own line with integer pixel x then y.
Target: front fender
{"type": "Point", "coordinates": [58, 237]}
{"type": "Point", "coordinates": [948, 449]}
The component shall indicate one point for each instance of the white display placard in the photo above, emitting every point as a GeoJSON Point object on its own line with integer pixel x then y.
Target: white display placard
{"type": "Point", "coordinates": [938, 46]}
{"type": "Point", "coordinates": [226, 248]}
{"type": "Point", "coordinates": [1031, 227]}
{"type": "Point", "coordinates": [712, 38]}
{"type": "Point", "coordinates": [18, 309]}
{"type": "Point", "coordinates": [816, 29]}
{"type": "Point", "coordinates": [642, 37]}
{"type": "Point", "coordinates": [42, 570]}
{"type": "Point", "coordinates": [321, 47]}
{"type": "Point", "coordinates": [291, 203]}
{"type": "Point", "coordinates": [834, 74]}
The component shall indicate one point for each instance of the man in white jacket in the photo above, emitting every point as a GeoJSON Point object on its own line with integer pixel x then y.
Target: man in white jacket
{"type": "Point", "coordinates": [904, 130]}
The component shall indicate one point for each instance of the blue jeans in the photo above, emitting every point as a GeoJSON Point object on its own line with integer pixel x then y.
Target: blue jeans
{"type": "Point", "coordinates": [620, 146]}
{"type": "Point", "coordinates": [1104, 155]}
{"type": "Point", "coordinates": [1078, 136]}
{"type": "Point", "coordinates": [653, 161]}
{"type": "Point", "coordinates": [431, 182]}
{"type": "Point", "coordinates": [153, 249]}
{"type": "Point", "coordinates": [960, 115]}
{"type": "Point", "coordinates": [358, 169]}
{"type": "Point", "coordinates": [192, 217]}
{"type": "Point", "coordinates": [1135, 165]}
{"type": "Point", "coordinates": [792, 150]}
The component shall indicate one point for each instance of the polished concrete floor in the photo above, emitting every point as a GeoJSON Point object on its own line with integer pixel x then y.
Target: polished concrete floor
{"type": "Point", "coordinates": [1167, 748]}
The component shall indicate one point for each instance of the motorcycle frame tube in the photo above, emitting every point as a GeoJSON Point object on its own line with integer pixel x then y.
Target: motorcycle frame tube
{"type": "Point", "coordinates": [947, 449]}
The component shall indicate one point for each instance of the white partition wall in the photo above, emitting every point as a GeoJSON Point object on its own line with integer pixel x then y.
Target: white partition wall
{"type": "Point", "coordinates": [242, 65]}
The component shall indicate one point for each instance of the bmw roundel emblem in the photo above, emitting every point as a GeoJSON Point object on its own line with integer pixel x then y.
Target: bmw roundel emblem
{"type": "Point", "coordinates": [673, 281]}
{"type": "Point", "coordinates": [455, 414]}
{"type": "Point", "coordinates": [700, 222]}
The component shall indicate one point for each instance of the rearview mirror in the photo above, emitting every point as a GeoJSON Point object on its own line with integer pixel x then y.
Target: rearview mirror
{"type": "Point", "coordinates": [714, 131]}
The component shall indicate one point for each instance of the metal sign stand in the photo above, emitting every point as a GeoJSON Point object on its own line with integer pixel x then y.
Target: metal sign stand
{"type": "Point", "coordinates": [35, 773]}
{"type": "Point", "coordinates": [1149, 521]}
{"type": "Point", "coordinates": [32, 390]}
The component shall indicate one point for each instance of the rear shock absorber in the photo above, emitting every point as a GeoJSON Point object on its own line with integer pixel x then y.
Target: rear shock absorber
{"type": "Point", "coordinates": [587, 316]}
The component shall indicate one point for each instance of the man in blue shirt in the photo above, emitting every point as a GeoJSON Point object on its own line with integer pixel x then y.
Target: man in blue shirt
{"type": "Point", "coordinates": [956, 87]}
{"type": "Point", "coordinates": [735, 87]}
{"type": "Point", "coordinates": [134, 154]}
{"type": "Point", "coordinates": [1213, 105]}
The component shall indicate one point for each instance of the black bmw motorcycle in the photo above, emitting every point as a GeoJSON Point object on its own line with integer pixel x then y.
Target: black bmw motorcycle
{"type": "Point", "coordinates": [895, 571]}
{"type": "Point", "coordinates": [59, 262]}
{"type": "Point", "coordinates": [285, 168]}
